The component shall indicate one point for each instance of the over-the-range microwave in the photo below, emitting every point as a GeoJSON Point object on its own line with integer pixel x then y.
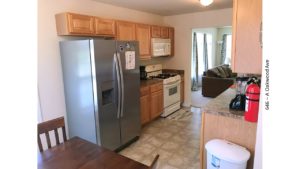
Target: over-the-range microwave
{"type": "Point", "coordinates": [161, 47]}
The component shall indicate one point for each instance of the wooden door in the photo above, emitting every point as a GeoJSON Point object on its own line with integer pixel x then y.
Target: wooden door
{"type": "Point", "coordinates": [155, 31]}
{"type": "Point", "coordinates": [104, 27]}
{"type": "Point", "coordinates": [80, 24]}
{"type": "Point", "coordinates": [246, 49]}
{"type": "Point", "coordinates": [172, 37]}
{"type": "Point", "coordinates": [164, 32]}
{"type": "Point", "coordinates": [143, 36]}
{"type": "Point", "coordinates": [125, 30]}
{"type": "Point", "coordinates": [156, 103]}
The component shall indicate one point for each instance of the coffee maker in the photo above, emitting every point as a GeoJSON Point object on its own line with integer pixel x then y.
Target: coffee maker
{"type": "Point", "coordinates": [143, 73]}
{"type": "Point", "coordinates": [238, 103]}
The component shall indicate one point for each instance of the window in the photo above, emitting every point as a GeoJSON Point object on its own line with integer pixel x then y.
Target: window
{"type": "Point", "coordinates": [200, 46]}
{"type": "Point", "coordinates": [228, 49]}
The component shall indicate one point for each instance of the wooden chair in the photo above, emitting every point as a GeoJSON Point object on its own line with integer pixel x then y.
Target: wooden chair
{"type": "Point", "coordinates": [154, 162]}
{"type": "Point", "coordinates": [50, 125]}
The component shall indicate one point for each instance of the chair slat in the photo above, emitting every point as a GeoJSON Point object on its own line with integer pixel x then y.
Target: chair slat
{"type": "Point", "coordinates": [48, 140]}
{"type": "Point", "coordinates": [40, 144]}
{"type": "Point", "coordinates": [56, 136]}
{"type": "Point", "coordinates": [64, 133]}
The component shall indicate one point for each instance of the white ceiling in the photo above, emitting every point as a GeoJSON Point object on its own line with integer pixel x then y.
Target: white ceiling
{"type": "Point", "coordinates": [168, 7]}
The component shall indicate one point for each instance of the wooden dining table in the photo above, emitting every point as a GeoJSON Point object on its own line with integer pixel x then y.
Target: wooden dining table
{"type": "Point", "coordinates": [77, 153]}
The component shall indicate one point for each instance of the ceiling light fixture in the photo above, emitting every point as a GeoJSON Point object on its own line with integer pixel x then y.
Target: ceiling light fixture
{"type": "Point", "coordinates": [206, 2]}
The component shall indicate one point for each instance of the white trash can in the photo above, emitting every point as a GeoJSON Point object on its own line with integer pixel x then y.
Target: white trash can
{"type": "Point", "coordinates": [222, 154]}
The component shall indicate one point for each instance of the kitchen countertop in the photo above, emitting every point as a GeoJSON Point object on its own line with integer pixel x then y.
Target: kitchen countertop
{"type": "Point", "coordinates": [153, 81]}
{"type": "Point", "coordinates": [180, 72]}
{"type": "Point", "coordinates": [149, 82]}
{"type": "Point", "coordinates": [220, 105]}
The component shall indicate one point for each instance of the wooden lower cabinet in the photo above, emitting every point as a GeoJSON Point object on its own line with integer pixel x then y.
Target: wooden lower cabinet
{"type": "Point", "coordinates": [144, 104]}
{"type": "Point", "coordinates": [156, 104]}
{"type": "Point", "coordinates": [234, 130]}
{"type": "Point", "coordinates": [145, 109]}
{"type": "Point", "coordinates": [151, 102]}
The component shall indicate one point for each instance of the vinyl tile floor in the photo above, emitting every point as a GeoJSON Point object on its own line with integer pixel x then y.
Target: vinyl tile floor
{"type": "Point", "coordinates": [175, 138]}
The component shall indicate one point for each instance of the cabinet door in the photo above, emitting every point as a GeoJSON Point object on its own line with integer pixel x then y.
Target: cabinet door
{"type": "Point", "coordinates": [172, 37]}
{"type": "Point", "coordinates": [156, 104]}
{"type": "Point", "coordinates": [145, 109]}
{"type": "Point", "coordinates": [104, 27]}
{"type": "Point", "coordinates": [125, 30]}
{"type": "Point", "coordinates": [246, 49]}
{"type": "Point", "coordinates": [80, 24]}
{"type": "Point", "coordinates": [155, 31]}
{"type": "Point", "coordinates": [164, 32]}
{"type": "Point", "coordinates": [143, 36]}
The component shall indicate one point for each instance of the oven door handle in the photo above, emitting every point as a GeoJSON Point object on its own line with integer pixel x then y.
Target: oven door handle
{"type": "Point", "coordinates": [172, 84]}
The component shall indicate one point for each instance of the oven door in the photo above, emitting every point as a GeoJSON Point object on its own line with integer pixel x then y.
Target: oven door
{"type": "Point", "coordinates": [171, 93]}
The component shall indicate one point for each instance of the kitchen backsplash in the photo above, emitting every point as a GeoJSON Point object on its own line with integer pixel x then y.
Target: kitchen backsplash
{"type": "Point", "coordinates": [156, 60]}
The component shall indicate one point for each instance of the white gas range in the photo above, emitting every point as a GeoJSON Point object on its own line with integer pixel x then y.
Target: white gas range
{"type": "Point", "coordinates": [171, 88]}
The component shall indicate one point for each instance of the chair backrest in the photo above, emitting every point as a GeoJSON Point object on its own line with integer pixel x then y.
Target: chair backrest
{"type": "Point", "coordinates": [45, 127]}
{"type": "Point", "coordinates": [154, 162]}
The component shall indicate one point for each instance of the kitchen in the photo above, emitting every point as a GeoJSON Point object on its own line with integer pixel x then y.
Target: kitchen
{"type": "Point", "coordinates": [51, 58]}
{"type": "Point", "coordinates": [280, 143]}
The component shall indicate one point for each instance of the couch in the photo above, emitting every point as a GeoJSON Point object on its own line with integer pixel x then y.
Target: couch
{"type": "Point", "coordinates": [216, 80]}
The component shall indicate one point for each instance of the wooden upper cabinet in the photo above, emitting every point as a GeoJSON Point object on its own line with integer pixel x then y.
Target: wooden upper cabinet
{"type": "Point", "coordinates": [74, 24]}
{"type": "Point", "coordinates": [159, 32]}
{"type": "Point", "coordinates": [155, 31]}
{"type": "Point", "coordinates": [164, 32]}
{"type": "Point", "coordinates": [125, 30]}
{"type": "Point", "coordinates": [172, 37]}
{"type": "Point", "coordinates": [104, 27]}
{"type": "Point", "coordinates": [143, 37]}
{"type": "Point", "coordinates": [246, 36]}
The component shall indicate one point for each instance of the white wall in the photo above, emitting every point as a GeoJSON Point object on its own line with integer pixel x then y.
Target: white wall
{"type": "Point", "coordinates": [183, 25]}
{"type": "Point", "coordinates": [258, 144]}
{"type": "Point", "coordinates": [50, 82]}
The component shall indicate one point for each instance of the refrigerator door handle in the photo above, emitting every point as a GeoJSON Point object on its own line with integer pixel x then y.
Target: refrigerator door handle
{"type": "Point", "coordinates": [122, 84]}
{"type": "Point", "coordinates": [119, 85]}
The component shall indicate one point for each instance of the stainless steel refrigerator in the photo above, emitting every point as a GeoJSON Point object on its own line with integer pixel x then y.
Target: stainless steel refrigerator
{"type": "Point", "coordinates": [101, 86]}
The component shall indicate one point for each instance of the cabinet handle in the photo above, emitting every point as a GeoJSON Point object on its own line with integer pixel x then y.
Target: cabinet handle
{"type": "Point", "coordinates": [260, 35]}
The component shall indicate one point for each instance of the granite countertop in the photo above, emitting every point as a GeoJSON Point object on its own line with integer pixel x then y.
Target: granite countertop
{"type": "Point", "coordinates": [149, 82]}
{"type": "Point", "coordinates": [153, 81]}
{"type": "Point", "coordinates": [180, 72]}
{"type": "Point", "coordinates": [220, 105]}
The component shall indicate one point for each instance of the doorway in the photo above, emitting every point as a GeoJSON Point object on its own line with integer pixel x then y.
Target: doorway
{"type": "Point", "coordinates": [210, 47]}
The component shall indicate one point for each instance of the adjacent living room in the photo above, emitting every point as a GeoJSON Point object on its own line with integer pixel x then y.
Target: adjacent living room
{"type": "Point", "coordinates": [211, 57]}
